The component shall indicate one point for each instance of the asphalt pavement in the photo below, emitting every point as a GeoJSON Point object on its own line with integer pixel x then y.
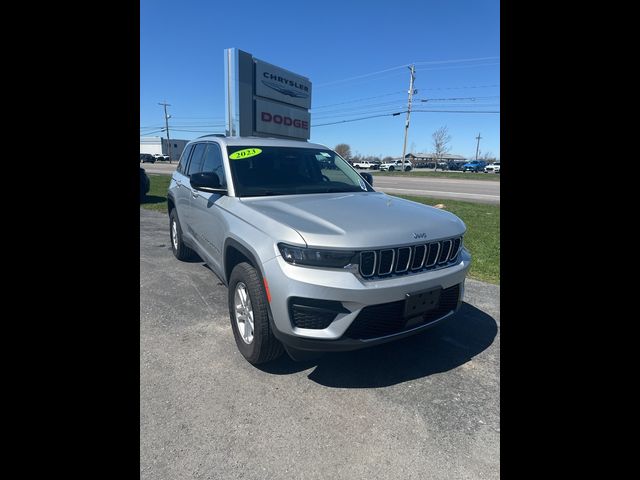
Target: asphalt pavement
{"type": "Point", "coordinates": [424, 407]}
{"type": "Point", "coordinates": [465, 188]}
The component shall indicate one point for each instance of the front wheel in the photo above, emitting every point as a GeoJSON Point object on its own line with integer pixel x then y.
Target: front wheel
{"type": "Point", "coordinates": [248, 309]}
{"type": "Point", "coordinates": [391, 169]}
{"type": "Point", "coordinates": [407, 169]}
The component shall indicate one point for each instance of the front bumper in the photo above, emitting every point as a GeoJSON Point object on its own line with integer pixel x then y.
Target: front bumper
{"type": "Point", "coordinates": [354, 293]}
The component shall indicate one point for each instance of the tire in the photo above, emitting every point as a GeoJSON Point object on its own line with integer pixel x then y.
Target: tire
{"type": "Point", "coordinates": [407, 169]}
{"type": "Point", "coordinates": [262, 345]}
{"type": "Point", "coordinates": [179, 249]}
{"type": "Point", "coordinates": [391, 169]}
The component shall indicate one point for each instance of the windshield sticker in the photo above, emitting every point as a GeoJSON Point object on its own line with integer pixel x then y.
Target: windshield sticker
{"type": "Point", "coordinates": [246, 153]}
{"type": "Point", "coordinates": [325, 154]}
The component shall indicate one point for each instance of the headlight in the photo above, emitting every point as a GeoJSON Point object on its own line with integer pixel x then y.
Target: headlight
{"type": "Point", "coordinates": [314, 257]}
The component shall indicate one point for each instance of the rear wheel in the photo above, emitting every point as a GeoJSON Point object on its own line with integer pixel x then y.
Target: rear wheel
{"type": "Point", "coordinates": [248, 309]}
{"type": "Point", "coordinates": [179, 249]}
{"type": "Point", "coordinates": [391, 169]}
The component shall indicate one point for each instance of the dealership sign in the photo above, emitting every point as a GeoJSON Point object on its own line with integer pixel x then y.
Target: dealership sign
{"type": "Point", "coordinates": [265, 100]}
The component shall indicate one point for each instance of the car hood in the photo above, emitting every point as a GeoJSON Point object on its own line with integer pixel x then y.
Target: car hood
{"type": "Point", "coordinates": [354, 220]}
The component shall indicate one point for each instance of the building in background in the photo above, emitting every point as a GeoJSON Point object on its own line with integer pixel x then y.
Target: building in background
{"type": "Point", "coordinates": [158, 145]}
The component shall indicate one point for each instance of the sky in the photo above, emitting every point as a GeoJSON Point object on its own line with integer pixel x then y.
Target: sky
{"type": "Point", "coordinates": [350, 50]}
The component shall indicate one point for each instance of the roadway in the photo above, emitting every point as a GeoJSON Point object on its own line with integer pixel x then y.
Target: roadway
{"type": "Point", "coordinates": [448, 188]}
{"type": "Point", "coordinates": [427, 406]}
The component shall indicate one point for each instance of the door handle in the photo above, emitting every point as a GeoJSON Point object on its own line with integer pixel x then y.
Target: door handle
{"type": "Point", "coordinates": [195, 193]}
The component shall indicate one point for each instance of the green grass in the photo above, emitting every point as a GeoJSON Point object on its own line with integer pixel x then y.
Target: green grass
{"type": "Point", "coordinates": [483, 226]}
{"type": "Point", "coordinates": [483, 234]}
{"type": "Point", "coordinates": [157, 197]}
{"type": "Point", "coordinates": [491, 177]}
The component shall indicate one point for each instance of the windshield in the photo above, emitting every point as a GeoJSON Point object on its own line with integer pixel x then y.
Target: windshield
{"type": "Point", "coordinates": [260, 170]}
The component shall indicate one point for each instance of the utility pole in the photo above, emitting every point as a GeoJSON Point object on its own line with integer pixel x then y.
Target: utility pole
{"type": "Point", "coordinates": [478, 145]}
{"type": "Point", "coordinates": [166, 120]}
{"type": "Point", "coordinates": [406, 126]}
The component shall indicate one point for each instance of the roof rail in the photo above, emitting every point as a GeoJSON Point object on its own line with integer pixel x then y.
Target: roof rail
{"type": "Point", "coordinates": [213, 135]}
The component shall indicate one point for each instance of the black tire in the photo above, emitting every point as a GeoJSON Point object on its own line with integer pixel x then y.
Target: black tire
{"type": "Point", "coordinates": [181, 251]}
{"type": "Point", "coordinates": [264, 346]}
{"type": "Point", "coordinates": [391, 169]}
{"type": "Point", "coordinates": [407, 169]}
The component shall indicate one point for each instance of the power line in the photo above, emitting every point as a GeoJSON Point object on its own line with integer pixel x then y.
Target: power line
{"type": "Point", "coordinates": [399, 113]}
{"type": "Point", "coordinates": [358, 100]}
{"type": "Point", "coordinates": [458, 66]}
{"type": "Point", "coordinates": [151, 133]}
{"type": "Point", "coordinates": [459, 111]}
{"type": "Point", "coordinates": [358, 119]}
{"type": "Point", "coordinates": [462, 88]}
{"type": "Point", "coordinates": [455, 61]}
{"type": "Point", "coordinates": [348, 79]}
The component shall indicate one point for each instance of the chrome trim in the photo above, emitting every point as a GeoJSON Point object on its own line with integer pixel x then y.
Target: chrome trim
{"type": "Point", "coordinates": [408, 261]}
{"type": "Point", "coordinates": [446, 257]}
{"type": "Point", "coordinates": [452, 256]}
{"type": "Point", "coordinates": [393, 259]}
{"type": "Point", "coordinates": [375, 259]}
{"type": "Point", "coordinates": [436, 257]}
{"type": "Point", "coordinates": [424, 256]}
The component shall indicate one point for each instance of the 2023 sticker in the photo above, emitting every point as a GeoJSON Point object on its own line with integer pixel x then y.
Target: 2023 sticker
{"type": "Point", "coordinates": [246, 153]}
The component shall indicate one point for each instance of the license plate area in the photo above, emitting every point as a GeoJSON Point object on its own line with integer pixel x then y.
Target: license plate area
{"type": "Point", "coordinates": [419, 303]}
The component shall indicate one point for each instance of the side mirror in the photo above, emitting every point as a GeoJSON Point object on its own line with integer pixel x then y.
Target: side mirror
{"type": "Point", "coordinates": [207, 182]}
{"type": "Point", "coordinates": [368, 177]}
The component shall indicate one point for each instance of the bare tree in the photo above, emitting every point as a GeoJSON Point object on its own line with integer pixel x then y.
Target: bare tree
{"type": "Point", "coordinates": [441, 140]}
{"type": "Point", "coordinates": [343, 150]}
{"type": "Point", "coordinates": [488, 157]}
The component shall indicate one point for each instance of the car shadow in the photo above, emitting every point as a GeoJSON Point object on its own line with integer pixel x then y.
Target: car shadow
{"type": "Point", "coordinates": [154, 199]}
{"type": "Point", "coordinates": [440, 349]}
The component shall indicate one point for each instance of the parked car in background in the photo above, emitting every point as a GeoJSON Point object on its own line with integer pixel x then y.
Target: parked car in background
{"type": "Point", "coordinates": [474, 166]}
{"type": "Point", "coordinates": [454, 166]}
{"type": "Point", "coordinates": [363, 164]}
{"type": "Point", "coordinates": [492, 168]}
{"type": "Point", "coordinates": [147, 158]}
{"type": "Point", "coordinates": [145, 184]}
{"type": "Point", "coordinates": [375, 165]}
{"type": "Point", "coordinates": [160, 156]}
{"type": "Point", "coordinates": [396, 165]}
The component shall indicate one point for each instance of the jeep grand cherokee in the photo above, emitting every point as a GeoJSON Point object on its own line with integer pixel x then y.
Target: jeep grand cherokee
{"type": "Point", "coordinates": [313, 257]}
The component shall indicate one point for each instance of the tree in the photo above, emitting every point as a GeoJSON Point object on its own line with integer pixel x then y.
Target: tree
{"type": "Point", "coordinates": [387, 159]}
{"type": "Point", "coordinates": [441, 140]}
{"type": "Point", "coordinates": [343, 150]}
{"type": "Point", "coordinates": [488, 157]}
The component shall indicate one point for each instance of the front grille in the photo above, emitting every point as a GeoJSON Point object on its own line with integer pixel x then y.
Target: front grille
{"type": "Point", "coordinates": [313, 313]}
{"type": "Point", "coordinates": [387, 318]}
{"type": "Point", "coordinates": [414, 258]}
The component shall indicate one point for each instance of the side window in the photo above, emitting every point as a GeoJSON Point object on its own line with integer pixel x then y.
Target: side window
{"type": "Point", "coordinates": [195, 165]}
{"type": "Point", "coordinates": [184, 158]}
{"type": "Point", "coordinates": [213, 162]}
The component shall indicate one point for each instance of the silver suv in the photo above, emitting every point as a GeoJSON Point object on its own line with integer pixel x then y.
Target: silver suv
{"type": "Point", "coordinates": [313, 257]}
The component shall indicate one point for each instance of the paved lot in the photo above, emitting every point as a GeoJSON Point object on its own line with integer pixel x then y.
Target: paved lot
{"type": "Point", "coordinates": [464, 188]}
{"type": "Point", "coordinates": [424, 407]}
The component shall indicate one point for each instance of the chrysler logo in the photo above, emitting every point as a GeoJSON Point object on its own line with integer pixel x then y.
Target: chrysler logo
{"type": "Point", "coordinates": [419, 235]}
{"type": "Point", "coordinates": [284, 90]}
